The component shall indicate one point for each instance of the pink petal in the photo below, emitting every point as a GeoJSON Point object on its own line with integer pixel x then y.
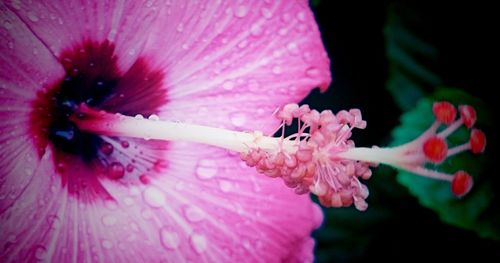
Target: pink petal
{"type": "Point", "coordinates": [61, 24]}
{"type": "Point", "coordinates": [223, 214]}
{"type": "Point", "coordinates": [236, 54]}
{"type": "Point", "coordinates": [20, 80]}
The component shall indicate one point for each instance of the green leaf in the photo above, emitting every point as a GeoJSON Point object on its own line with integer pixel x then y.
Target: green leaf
{"type": "Point", "coordinates": [473, 211]}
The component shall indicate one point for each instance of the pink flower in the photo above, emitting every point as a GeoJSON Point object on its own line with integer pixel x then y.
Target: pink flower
{"type": "Point", "coordinates": [69, 195]}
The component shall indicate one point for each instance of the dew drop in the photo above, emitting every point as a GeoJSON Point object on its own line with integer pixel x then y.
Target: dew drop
{"type": "Point", "coordinates": [228, 85]}
{"type": "Point", "coordinates": [266, 13]}
{"type": "Point", "coordinates": [277, 70]}
{"type": "Point", "coordinates": [286, 17]}
{"type": "Point", "coordinates": [28, 171]}
{"type": "Point", "coordinates": [301, 16]}
{"type": "Point", "coordinates": [225, 186]}
{"type": "Point", "coordinates": [206, 169]}
{"type": "Point", "coordinates": [180, 27]}
{"type": "Point", "coordinates": [256, 30]}
{"type": "Point", "coordinates": [125, 144]}
{"type": "Point", "coordinates": [32, 16]}
{"type": "Point", "coordinates": [116, 170]}
{"type": "Point", "coordinates": [111, 35]}
{"type": "Point", "coordinates": [144, 179]}
{"type": "Point", "coordinates": [238, 119]}
{"type": "Point", "coordinates": [130, 168]}
{"type": "Point", "coordinates": [106, 244]}
{"type": "Point", "coordinates": [169, 239]}
{"type": "Point", "coordinates": [241, 11]}
{"type": "Point", "coordinates": [312, 72]}
{"type": "Point", "coordinates": [243, 44]}
{"type": "Point", "coordinates": [16, 4]}
{"type": "Point", "coordinates": [147, 214]}
{"type": "Point", "coordinates": [128, 201]}
{"type": "Point", "coordinates": [194, 214]}
{"type": "Point", "coordinates": [111, 205]}
{"type": "Point", "coordinates": [154, 117]}
{"type": "Point", "coordinates": [308, 56]}
{"type": "Point", "coordinates": [40, 253]}
{"type": "Point", "coordinates": [253, 85]}
{"type": "Point", "coordinates": [154, 197]}
{"type": "Point", "coordinates": [293, 48]}
{"type": "Point", "coordinates": [108, 220]}
{"type": "Point", "coordinates": [199, 243]}
{"type": "Point", "coordinates": [7, 24]}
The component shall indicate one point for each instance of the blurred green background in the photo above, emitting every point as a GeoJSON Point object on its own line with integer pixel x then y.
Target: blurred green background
{"type": "Point", "coordinates": [393, 59]}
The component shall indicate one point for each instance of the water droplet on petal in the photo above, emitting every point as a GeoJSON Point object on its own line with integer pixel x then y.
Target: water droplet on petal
{"type": "Point", "coordinates": [7, 24]}
{"type": "Point", "coordinates": [199, 243]}
{"type": "Point", "coordinates": [206, 169]}
{"type": "Point", "coordinates": [253, 85]}
{"type": "Point", "coordinates": [256, 30]}
{"type": "Point", "coordinates": [154, 197]}
{"type": "Point", "coordinates": [228, 85]}
{"type": "Point", "coordinates": [111, 35]}
{"type": "Point", "coordinates": [241, 11]}
{"type": "Point", "coordinates": [130, 168]}
{"type": "Point", "coordinates": [111, 205]}
{"type": "Point", "coordinates": [169, 239]}
{"type": "Point", "coordinates": [301, 16]}
{"type": "Point", "coordinates": [125, 144]}
{"type": "Point", "coordinates": [238, 119]}
{"type": "Point", "coordinates": [293, 48]}
{"type": "Point", "coordinates": [277, 70]}
{"type": "Point", "coordinates": [225, 186]}
{"type": "Point", "coordinates": [194, 214]}
{"type": "Point", "coordinates": [286, 17]}
{"type": "Point", "coordinates": [154, 117]}
{"type": "Point", "coordinates": [106, 244]}
{"type": "Point", "coordinates": [128, 201]}
{"type": "Point", "coordinates": [283, 32]}
{"type": "Point", "coordinates": [147, 214]}
{"type": "Point", "coordinates": [243, 44]}
{"type": "Point", "coordinates": [116, 170]}
{"type": "Point", "coordinates": [266, 13]}
{"type": "Point", "coordinates": [180, 27]}
{"type": "Point", "coordinates": [16, 4]}
{"type": "Point", "coordinates": [40, 253]}
{"type": "Point", "coordinates": [108, 220]}
{"type": "Point", "coordinates": [312, 72]}
{"type": "Point", "coordinates": [32, 16]}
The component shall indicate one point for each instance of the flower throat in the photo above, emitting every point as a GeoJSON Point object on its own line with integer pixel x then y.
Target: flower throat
{"type": "Point", "coordinates": [91, 77]}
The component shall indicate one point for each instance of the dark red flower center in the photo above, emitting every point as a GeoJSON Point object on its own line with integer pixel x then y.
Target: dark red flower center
{"type": "Point", "coordinates": [92, 76]}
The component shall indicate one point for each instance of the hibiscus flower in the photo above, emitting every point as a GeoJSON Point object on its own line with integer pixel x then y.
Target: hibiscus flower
{"type": "Point", "coordinates": [71, 195]}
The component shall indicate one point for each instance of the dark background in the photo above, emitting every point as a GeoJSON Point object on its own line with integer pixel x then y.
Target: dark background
{"type": "Point", "coordinates": [396, 227]}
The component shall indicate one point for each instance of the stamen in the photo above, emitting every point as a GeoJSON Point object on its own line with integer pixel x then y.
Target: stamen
{"type": "Point", "coordinates": [319, 158]}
